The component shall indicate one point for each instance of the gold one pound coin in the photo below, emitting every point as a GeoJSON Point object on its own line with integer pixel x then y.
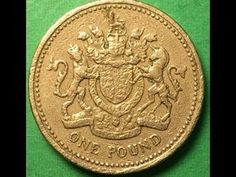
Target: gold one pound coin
{"type": "Point", "coordinates": [116, 86]}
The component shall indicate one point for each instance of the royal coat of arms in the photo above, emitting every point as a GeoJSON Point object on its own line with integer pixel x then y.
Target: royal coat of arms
{"type": "Point", "coordinates": [125, 71]}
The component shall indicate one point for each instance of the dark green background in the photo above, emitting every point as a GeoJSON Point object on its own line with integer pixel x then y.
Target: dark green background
{"type": "Point", "coordinates": [191, 160]}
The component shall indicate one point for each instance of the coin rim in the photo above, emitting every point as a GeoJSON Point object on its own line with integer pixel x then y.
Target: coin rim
{"type": "Point", "coordinates": [120, 170]}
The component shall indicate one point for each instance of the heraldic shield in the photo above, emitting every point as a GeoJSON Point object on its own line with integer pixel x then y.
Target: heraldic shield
{"type": "Point", "coordinates": [113, 65]}
{"type": "Point", "coordinates": [115, 83]}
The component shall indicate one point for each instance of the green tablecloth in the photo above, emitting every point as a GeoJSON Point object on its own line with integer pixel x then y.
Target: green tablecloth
{"type": "Point", "coordinates": [191, 160]}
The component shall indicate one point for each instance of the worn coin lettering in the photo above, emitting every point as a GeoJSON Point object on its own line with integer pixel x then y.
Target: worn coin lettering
{"type": "Point", "coordinates": [84, 143]}
{"type": "Point", "coordinates": [134, 149]}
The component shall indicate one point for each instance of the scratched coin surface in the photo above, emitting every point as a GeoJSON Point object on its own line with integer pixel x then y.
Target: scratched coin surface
{"type": "Point", "coordinates": [116, 86]}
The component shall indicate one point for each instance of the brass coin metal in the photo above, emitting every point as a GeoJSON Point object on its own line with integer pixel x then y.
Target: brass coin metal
{"type": "Point", "coordinates": [116, 86]}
